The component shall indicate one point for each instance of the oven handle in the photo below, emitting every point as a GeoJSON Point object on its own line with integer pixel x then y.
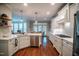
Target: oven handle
{"type": "Point", "coordinates": [16, 42]}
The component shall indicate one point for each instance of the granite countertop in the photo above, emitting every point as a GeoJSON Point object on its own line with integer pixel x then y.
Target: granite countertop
{"type": "Point", "coordinates": [36, 34]}
{"type": "Point", "coordinates": [8, 37]}
{"type": "Point", "coordinates": [19, 35]}
{"type": "Point", "coordinates": [69, 39]}
{"type": "Point", "coordinates": [64, 38]}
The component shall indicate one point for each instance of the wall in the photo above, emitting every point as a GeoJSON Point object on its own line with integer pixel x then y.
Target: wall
{"type": "Point", "coordinates": [6, 10]}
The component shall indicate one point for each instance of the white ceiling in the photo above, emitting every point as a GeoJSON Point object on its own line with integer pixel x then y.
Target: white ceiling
{"type": "Point", "coordinates": [29, 11]}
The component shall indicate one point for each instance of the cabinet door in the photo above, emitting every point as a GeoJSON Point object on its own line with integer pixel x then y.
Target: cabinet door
{"type": "Point", "coordinates": [67, 49]}
{"type": "Point", "coordinates": [53, 39]}
{"type": "Point", "coordinates": [11, 46]}
{"type": "Point", "coordinates": [55, 42]}
{"type": "Point", "coordinates": [24, 42]}
{"type": "Point", "coordinates": [27, 41]}
{"type": "Point", "coordinates": [3, 48]}
{"type": "Point", "coordinates": [16, 44]}
{"type": "Point", "coordinates": [49, 34]}
{"type": "Point", "coordinates": [58, 44]}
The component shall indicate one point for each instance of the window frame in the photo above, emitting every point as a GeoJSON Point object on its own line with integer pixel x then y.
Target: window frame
{"type": "Point", "coordinates": [18, 22]}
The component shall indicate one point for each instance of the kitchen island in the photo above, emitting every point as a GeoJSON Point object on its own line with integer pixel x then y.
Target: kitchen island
{"type": "Point", "coordinates": [35, 39]}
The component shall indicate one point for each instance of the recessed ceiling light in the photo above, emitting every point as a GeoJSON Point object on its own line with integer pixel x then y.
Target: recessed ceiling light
{"type": "Point", "coordinates": [52, 3]}
{"type": "Point", "coordinates": [25, 4]}
{"type": "Point", "coordinates": [47, 12]}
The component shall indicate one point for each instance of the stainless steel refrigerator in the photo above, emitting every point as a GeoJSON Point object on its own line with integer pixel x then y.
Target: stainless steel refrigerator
{"type": "Point", "coordinates": [76, 35]}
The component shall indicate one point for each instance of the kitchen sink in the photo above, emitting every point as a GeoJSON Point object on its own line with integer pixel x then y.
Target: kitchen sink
{"type": "Point", "coordinates": [64, 36]}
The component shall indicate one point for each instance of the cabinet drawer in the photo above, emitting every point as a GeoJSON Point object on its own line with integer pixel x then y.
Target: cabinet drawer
{"type": "Point", "coordinates": [2, 53]}
{"type": "Point", "coordinates": [67, 49]}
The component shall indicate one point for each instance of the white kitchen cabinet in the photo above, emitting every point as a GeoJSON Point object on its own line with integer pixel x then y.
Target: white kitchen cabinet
{"type": "Point", "coordinates": [8, 46]}
{"type": "Point", "coordinates": [57, 42]}
{"type": "Point", "coordinates": [63, 45]}
{"type": "Point", "coordinates": [21, 42]}
{"type": "Point", "coordinates": [16, 44]}
{"type": "Point", "coordinates": [67, 48]}
{"type": "Point", "coordinates": [28, 41]}
{"type": "Point", "coordinates": [4, 48]}
{"type": "Point", "coordinates": [58, 45]}
{"type": "Point", "coordinates": [13, 45]}
{"type": "Point", "coordinates": [24, 42]}
{"type": "Point", "coordinates": [51, 38]}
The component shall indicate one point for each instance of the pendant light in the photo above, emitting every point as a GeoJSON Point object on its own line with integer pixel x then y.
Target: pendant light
{"type": "Point", "coordinates": [36, 17]}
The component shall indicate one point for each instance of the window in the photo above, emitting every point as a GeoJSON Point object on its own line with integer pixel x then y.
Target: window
{"type": "Point", "coordinates": [19, 26]}
{"type": "Point", "coordinates": [40, 27]}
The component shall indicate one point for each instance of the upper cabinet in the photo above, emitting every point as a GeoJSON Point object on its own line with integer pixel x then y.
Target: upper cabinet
{"type": "Point", "coordinates": [64, 21]}
{"type": "Point", "coordinates": [63, 14]}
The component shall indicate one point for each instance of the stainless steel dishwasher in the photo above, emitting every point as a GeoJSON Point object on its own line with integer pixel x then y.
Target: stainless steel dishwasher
{"type": "Point", "coordinates": [34, 41]}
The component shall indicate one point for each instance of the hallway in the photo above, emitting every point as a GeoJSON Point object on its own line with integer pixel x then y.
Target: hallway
{"type": "Point", "coordinates": [46, 49]}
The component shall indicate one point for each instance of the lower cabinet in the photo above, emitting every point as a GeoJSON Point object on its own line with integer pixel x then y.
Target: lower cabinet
{"type": "Point", "coordinates": [67, 48]}
{"type": "Point", "coordinates": [4, 48]}
{"type": "Point", "coordinates": [58, 45]}
{"type": "Point", "coordinates": [16, 44]}
{"type": "Point", "coordinates": [51, 38]}
{"type": "Point", "coordinates": [63, 46]}
{"type": "Point", "coordinates": [24, 42]}
{"type": "Point", "coordinates": [13, 45]}
{"type": "Point", "coordinates": [10, 46]}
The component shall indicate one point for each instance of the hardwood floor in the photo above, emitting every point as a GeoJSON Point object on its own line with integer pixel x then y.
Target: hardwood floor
{"type": "Point", "coordinates": [46, 49]}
